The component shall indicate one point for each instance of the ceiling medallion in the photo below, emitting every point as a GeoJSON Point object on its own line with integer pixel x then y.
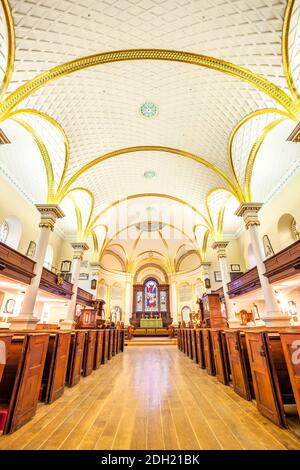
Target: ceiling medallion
{"type": "Point", "coordinates": [149, 174]}
{"type": "Point", "coordinates": [150, 226]}
{"type": "Point", "coordinates": [148, 110]}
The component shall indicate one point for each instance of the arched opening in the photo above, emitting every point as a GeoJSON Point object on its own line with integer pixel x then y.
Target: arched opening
{"type": "Point", "coordinates": [288, 231]}
{"type": "Point", "coordinates": [11, 231]}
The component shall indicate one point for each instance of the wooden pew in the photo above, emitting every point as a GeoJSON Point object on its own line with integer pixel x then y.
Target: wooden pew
{"type": "Point", "coordinates": [218, 349]}
{"type": "Point", "coordinates": [106, 347]}
{"type": "Point", "coordinates": [200, 350]}
{"type": "Point", "coordinates": [55, 369]}
{"type": "Point", "coordinates": [183, 332]}
{"type": "Point", "coordinates": [194, 356]}
{"type": "Point", "coordinates": [208, 352]}
{"type": "Point", "coordinates": [115, 346]}
{"type": "Point", "coordinates": [75, 357]}
{"type": "Point", "coordinates": [5, 340]}
{"type": "Point", "coordinates": [99, 349]}
{"type": "Point", "coordinates": [272, 386]}
{"type": "Point", "coordinates": [122, 339]}
{"type": "Point", "coordinates": [239, 362]}
{"type": "Point", "coordinates": [179, 345]}
{"type": "Point", "coordinates": [21, 379]}
{"type": "Point", "coordinates": [89, 352]}
{"type": "Point", "coordinates": [188, 342]}
{"type": "Point", "coordinates": [290, 341]}
{"type": "Point", "coordinates": [111, 342]}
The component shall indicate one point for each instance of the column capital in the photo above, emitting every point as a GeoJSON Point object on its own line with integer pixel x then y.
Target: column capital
{"type": "Point", "coordinates": [205, 264]}
{"type": "Point", "coordinates": [249, 212]}
{"type": "Point", "coordinates": [49, 214]}
{"type": "Point", "coordinates": [220, 247]}
{"type": "Point", "coordinates": [79, 248]}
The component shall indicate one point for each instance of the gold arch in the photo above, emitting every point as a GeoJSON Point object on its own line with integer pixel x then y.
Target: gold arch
{"type": "Point", "coordinates": [141, 195]}
{"type": "Point", "coordinates": [150, 265]}
{"type": "Point", "coordinates": [236, 129]}
{"type": "Point", "coordinates": [134, 224]}
{"type": "Point", "coordinates": [11, 47]}
{"type": "Point", "coordinates": [58, 126]}
{"type": "Point", "coordinates": [184, 256]}
{"type": "Point", "coordinates": [149, 148]}
{"type": "Point", "coordinates": [45, 156]}
{"type": "Point", "coordinates": [285, 49]}
{"type": "Point", "coordinates": [213, 63]}
{"type": "Point", "coordinates": [253, 154]}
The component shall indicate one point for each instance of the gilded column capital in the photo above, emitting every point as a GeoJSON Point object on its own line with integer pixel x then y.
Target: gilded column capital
{"type": "Point", "coordinates": [49, 214]}
{"type": "Point", "coordinates": [220, 247]}
{"type": "Point", "coordinates": [249, 212]}
{"type": "Point", "coordinates": [79, 248]}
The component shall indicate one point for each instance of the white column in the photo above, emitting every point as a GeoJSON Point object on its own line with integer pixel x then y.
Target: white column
{"type": "Point", "coordinates": [79, 249]}
{"type": "Point", "coordinates": [128, 299]}
{"type": "Point", "coordinates": [220, 247]}
{"type": "Point", "coordinates": [49, 214]}
{"type": "Point", "coordinates": [273, 315]}
{"type": "Point", "coordinates": [205, 274]}
{"type": "Point", "coordinates": [174, 303]}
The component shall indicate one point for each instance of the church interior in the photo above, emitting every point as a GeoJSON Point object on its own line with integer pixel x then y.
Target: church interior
{"type": "Point", "coordinates": [149, 225]}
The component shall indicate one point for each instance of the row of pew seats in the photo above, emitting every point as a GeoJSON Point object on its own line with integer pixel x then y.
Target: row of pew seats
{"type": "Point", "coordinates": [261, 364]}
{"type": "Point", "coordinates": [35, 367]}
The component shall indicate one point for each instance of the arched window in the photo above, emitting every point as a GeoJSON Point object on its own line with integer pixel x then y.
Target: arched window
{"type": "Point", "coordinates": [4, 229]}
{"type": "Point", "coordinates": [11, 231]}
{"type": "Point", "coordinates": [151, 296]}
{"type": "Point", "coordinates": [288, 230]}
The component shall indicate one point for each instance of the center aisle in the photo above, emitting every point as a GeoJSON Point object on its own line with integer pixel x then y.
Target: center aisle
{"type": "Point", "coordinates": [149, 398]}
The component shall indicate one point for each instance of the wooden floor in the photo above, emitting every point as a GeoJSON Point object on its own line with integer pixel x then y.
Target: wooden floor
{"type": "Point", "coordinates": [150, 398]}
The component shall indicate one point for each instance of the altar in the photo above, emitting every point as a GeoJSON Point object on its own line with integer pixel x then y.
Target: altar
{"type": "Point", "coordinates": [151, 323]}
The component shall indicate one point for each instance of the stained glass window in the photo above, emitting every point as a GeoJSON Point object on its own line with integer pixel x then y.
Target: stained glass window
{"type": "Point", "coordinates": [151, 304]}
{"type": "Point", "coordinates": [139, 301]}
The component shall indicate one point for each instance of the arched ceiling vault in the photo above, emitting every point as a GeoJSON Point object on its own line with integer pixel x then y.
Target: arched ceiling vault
{"type": "Point", "coordinates": [219, 104]}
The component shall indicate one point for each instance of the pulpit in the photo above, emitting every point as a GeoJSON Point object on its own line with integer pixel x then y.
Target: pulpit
{"type": "Point", "coordinates": [87, 319]}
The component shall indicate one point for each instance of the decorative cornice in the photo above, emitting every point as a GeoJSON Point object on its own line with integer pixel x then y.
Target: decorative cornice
{"type": "Point", "coordinates": [49, 214]}
{"type": "Point", "coordinates": [249, 212]}
{"type": "Point", "coordinates": [79, 248]}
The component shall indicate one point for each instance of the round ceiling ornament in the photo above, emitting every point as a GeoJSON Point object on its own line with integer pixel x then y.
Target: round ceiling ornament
{"type": "Point", "coordinates": [149, 109]}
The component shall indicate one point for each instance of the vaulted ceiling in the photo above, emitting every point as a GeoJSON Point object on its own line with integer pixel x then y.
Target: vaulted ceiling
{"type": "Point", "coordinates": [223, 106]}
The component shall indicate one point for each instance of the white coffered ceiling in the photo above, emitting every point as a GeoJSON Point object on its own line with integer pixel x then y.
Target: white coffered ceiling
{"type": "Point", "coordinates": [198, 108]}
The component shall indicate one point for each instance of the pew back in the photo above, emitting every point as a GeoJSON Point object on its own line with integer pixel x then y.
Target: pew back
{"type": "Point", "coordinates": [5, 340]}
{"type": "Point", "coordinates": [291, 348]}
{"type": "Point", "coordinates": [22, 377]}
{"type": "Point", "coordinates": [89, 352]}
{"type": "Point", "coordinates": [208, 353]}
{"type": "Point", "coordinates": [99, 349]}
{"type": "Point", "coordinates": [239, 362]}
{"type": "Point", "coordinates": [75, 357]}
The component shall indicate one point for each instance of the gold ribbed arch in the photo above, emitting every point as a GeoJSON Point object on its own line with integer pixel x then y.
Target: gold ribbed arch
{"type": "Point", "coordinates": [142, 195]}
{"type": "Point", "coordinates": [213, 63]}
{"type": "Point", "coordinates": [149, 148]}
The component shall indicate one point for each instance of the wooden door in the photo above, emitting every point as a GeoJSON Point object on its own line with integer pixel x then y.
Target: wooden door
{"type": "Point", "coordinates": [208, 354]}
{"type": "Point", "coordinates": [89, 353]}
{"type": "Point", "coordinates": [58, 379]}
{"type": "Point", "coordinates": [265, 381]}
{"type": "Point", "coordinates": [77, 358]}
{"type": "Point", "coordinates": [28, 388]}
{"type": "Point", "coordinates": [218, 356]}
{"type": "Point", "coordinates": [99, 349]}
{"type": "Point", "coordinates": [238, 366]}
{"type": "Point", "coordinates": [291, 349]}
{"type": "Point", "coordinates": [200, 352]}
{"type": "Point", "coordinates": [5, 341]}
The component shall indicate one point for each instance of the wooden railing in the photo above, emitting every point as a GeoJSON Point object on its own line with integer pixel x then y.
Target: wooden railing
{"type": "Point", "coordinates": [84, 297]}
{"type": "Point", "coordinates": [245, 283]}
{"type": "Point", "coordinates": [284, 264]}
{"type": "Point", "coordinates": [51, 282]}
{"type": "Point", "coordinates": [15, 265]}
